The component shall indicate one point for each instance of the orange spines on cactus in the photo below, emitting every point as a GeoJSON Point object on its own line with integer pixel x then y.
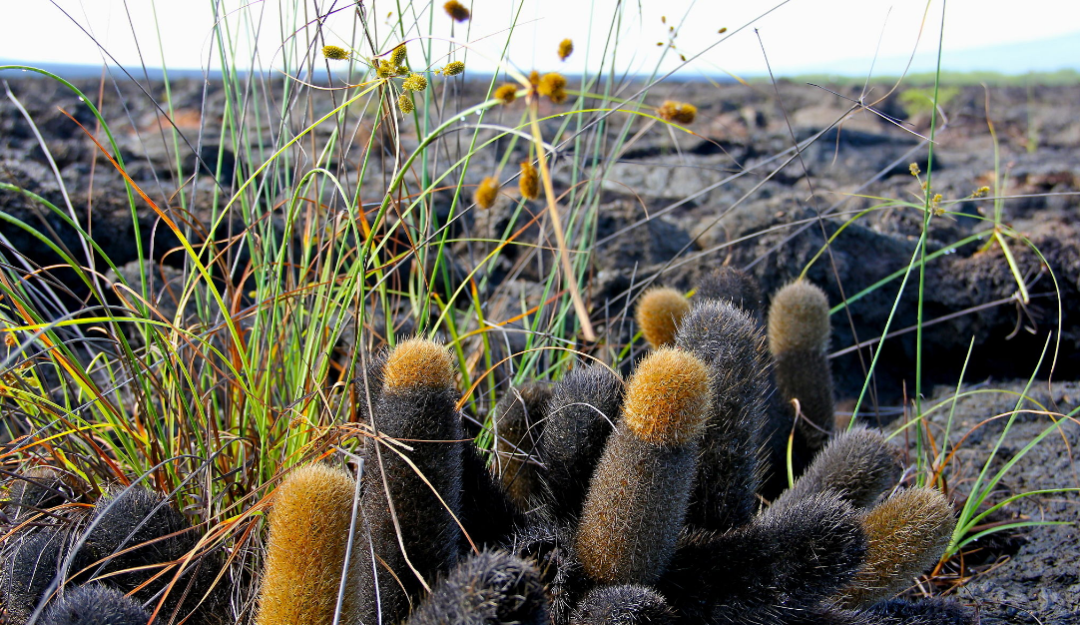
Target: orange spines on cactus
{"type": "Point", "coordinates": [638, 496]}
{"type": "Point", "coordinates": [309, 534]}
{"type": "Point", "coordinates": [658, 315]}
{"type": "Point", "coordinates": [418, 363]}
{"type": "Point", "coordinates": [906, 535]}
{"type": "Point", "coordinates": [410, 503]}
{"type": "Point", "coordinates": [799, 340]}
{"type": "Point", "coordinates": [667, 399]}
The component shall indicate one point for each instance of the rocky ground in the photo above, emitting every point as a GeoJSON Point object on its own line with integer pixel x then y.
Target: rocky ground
{"type": "Point", "coordinates": [675, 205]}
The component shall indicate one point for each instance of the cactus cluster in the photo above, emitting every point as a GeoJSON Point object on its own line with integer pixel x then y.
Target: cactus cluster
{"type": "Point", "coordinates": [653, 500]}
{"type": "Point", "coordinates": [129, 557]}
{"type": "Point", "coordinates": [604, 501]}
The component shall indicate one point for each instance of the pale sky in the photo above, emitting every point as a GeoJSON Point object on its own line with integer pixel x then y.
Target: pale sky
{"type": "Point", "coordinates": [798, 35]}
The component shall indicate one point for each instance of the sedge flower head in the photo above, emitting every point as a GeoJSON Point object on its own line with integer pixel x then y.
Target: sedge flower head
{"type": "Point", "coordinates": [506, 93]}
{"type": "Point", "coordinates": [453, 69]}
{"type": "Point", "coordinates": [487, 192]}
{"type": "Point", "coordinates": [397, 57]}
{"type": "Point", "coordinates": [566, 48]}
{"type": "Point", "coordinates": [335, 53]}
{"type": "Point", "coordinates": [680, 112]}
{"type": "Point", "coordinates": [457, 11]}
{"type": "Point", "coordinates": [416, 82]}
{"type": "Point", "coordinates": [529, 182]}
{"type": "Point", "coordinates": [405, 103]}
{"type": "Point", "coordinates": [553, 85]}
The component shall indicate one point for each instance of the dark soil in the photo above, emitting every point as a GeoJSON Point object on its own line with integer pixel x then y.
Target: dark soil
{"type": "Point", "coordinates": [678, 205]}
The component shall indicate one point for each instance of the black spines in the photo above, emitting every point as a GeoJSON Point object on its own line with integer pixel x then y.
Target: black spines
{"type": "Point", "coordinates": [774, 567]}
{"type": "Point", "coordinates": [519, 421]}
{"type": "Point", "coordinates": [369, 386]}
{"type": "Point", "coordinates": [551, 545]}
{"type": "Point", "coordinates": [930, 611]}
{"type": "Point", "coordinates": [798, 330]}
{"type": "Point", "coordinates": [30, 568]}
{"type": "Point", "coordinates": [420, 498]}
{"type": "Point", "coordinates": [94, 604]}
{"type": "Point", "coordinates": [135, 527]}
{"type": "Point", "coordinates": [729, 471]}
{"type": "Point", "coordinates": [36, 489]}
{"type": "Point", "coordinates": [488, 514]}
{"type": "Point", "coordinates": [581, 414]}
{"type": "Point", "coordinates": [727, 284]}
{"type": "Point", "coordinates": [629, 604]}
{"type": "Point", "coordinates": [490, 588]}
{"type": "Point", "coordinates": [857, 464]}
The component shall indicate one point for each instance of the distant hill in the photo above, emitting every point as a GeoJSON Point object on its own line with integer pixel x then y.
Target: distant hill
{"type": "Point", "coordinates": [1044, 55]}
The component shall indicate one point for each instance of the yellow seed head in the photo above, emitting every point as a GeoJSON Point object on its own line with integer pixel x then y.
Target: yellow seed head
{"type": "Point", "coordinates": [914, 169]}
{"type": "Point", "coordinates": [667, 400]}
{"type": "Point", "coordinates": [553, 85]}
{"type": "Point", "coordinates": [506, 93]}
{"type": "Point", "coordinates": [419, 363]}
{"type": "Point", "coordinates": [487, 192]}
{"type": "Point", "coordinates": [397, 57]}
{"type": "Point", "coordinates": [453, 69]}
{"type": "Point", "coordinates": [415, 82]}
{"type": "Point", "coordinates": [335, 53]}
{"type": "Point", "coordinates": [680, 112]}
{"type": "Point", "coordinates": [659, 313]}
{"type": "Point", "coordinates": [534, 78]}
{"type": "Point", "coordinates": [529, 182]}
{"type": "Point", "coordinates": [456, 11]}
{"type": "Point", "coordinates": [566, 48]}
{"type": "Point", "coordinates": [385, 69]}
{"type": "Point", "coordinates": [405, 103]}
